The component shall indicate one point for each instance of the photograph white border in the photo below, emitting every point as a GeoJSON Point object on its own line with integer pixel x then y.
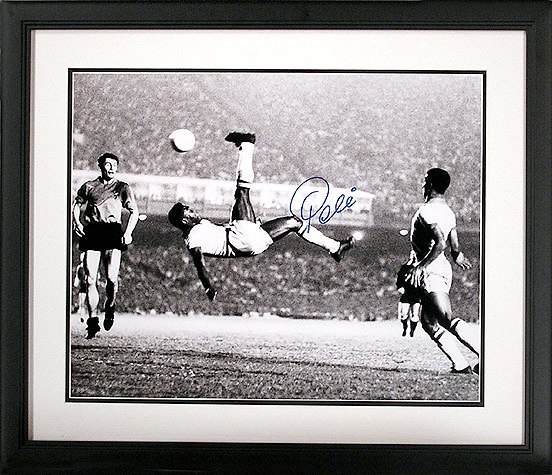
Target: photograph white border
{"type": "Point", "coordinates": [500, 53]}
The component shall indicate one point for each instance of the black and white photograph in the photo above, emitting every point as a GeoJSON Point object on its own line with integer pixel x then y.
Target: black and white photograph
{"type": "Point", "coordinates": [276, 236]}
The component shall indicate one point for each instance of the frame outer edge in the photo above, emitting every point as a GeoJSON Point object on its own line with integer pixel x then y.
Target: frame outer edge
{"type": "Point", "coordinates": [12, 239]}
{"type": "Point", "coordinates": [13, 215]}
{"type": "Point", "coordinates": [539, 233]}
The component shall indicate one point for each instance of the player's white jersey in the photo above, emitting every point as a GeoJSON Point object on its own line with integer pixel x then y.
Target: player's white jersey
{"type": "Point", "coordinates": [210, 237]}
{"type": "Point", "coordinates": [236, 239]}
{"type": "Point", "coordinates": [432, 212]}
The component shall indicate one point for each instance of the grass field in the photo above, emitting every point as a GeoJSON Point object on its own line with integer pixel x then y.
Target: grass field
{"type": "Point", "coordinates": [288, 324]}
{"type": "Point", "coordinates": [263, 358]}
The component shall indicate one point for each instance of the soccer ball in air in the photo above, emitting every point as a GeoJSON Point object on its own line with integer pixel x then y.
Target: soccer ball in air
{"type": "Point", "coordinates": [183, 140]}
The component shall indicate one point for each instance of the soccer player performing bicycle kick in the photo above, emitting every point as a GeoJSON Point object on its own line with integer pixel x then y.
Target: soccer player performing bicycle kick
{"type": "Point", "coordinates": [243, 236]}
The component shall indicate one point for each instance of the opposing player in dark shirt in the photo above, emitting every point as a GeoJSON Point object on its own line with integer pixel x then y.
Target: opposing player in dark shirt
{"type": "Point", "coordinates": [101, 235]}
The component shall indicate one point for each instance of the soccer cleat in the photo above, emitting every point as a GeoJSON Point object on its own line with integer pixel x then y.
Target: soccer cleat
{"type": "Point", "coordinates": [466, 370]}
{"type": "Point", "coordinates": [475, 369]}
{"type": "Point", "coordinates": [344, 246]}
{"type": "Point", "coordinates": [92, 327]}
{"type": "Point", "coordinates": [238, 137]}
{"type": "Point", "coordinates": [404, 333]}
{"type": "Point", "coordinates": [109, 317]}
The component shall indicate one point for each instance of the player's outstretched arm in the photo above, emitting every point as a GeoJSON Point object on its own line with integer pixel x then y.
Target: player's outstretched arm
{"type": "Point", "coordinates": [459, 258]}
{"type": "Point", "coordinates": [199, 263]}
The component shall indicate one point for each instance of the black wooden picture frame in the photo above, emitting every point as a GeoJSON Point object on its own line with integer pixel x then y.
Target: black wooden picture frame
{"type": "Point", "coordinates": [21, 455]}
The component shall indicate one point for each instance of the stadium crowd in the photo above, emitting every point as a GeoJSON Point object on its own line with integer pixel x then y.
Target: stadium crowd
{"type": "Point", "coordinates": [381, 140]}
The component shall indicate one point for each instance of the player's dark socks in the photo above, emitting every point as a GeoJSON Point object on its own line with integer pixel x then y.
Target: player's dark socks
{"type": "Point", "coordinates": [413, 328]}
{"type": "Point", "coordinates": [238, 137]}
{"type": "Point", "coordinates": [92, 327]}
{"type": "Point", "coordinates": [109, 317]}
{"type": "Point", "coordinates": [344, 246]}
{"type": "Point", "coordinates": [404, 332]}
{"type": "Point", "coordinates": [466, 370]}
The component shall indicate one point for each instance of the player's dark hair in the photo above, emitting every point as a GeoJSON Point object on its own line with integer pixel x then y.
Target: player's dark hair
{"type": "Point", "coordinates": [104, 156]}
{"type": "Point", "coordinates": [176, 214]}
{"type": "Point", "coordinates": [439, 179]}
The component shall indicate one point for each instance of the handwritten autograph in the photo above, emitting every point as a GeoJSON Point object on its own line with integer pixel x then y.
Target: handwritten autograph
{"type": "Point", "coordinates": [316, 206]}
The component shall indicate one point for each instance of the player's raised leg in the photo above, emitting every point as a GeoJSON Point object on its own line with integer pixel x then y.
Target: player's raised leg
{"type": "Point", "coordinates": [91, 267]}
{"type": "Point", "coordinates": [281, 227]}
{"type": "Point", "coordinates": [242, 209]}
{"type": "Point", "coordinates": [337, 249]}
{"type": "Point", "coordinates": [112, 262]}
{"type": "Point", "coordinates": [244, 172]}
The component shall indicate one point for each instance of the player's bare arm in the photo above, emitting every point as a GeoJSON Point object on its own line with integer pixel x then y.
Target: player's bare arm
{"type": "Point", "coordinates": [77, 225]}
{"type": "Point", "coordinates": [132, 221]}
{"type": "Point", "coordinates": [415, 276]}
{"type": "Point", "coordinates": [199, 263]}
{"type": "Point", "coordinates": [132, 207]}
{"type": "Point", "coordinates": [458, 256]}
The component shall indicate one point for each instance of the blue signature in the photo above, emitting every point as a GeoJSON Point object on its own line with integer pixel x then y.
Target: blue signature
{"type": "Point", "coordinates": [317, 206]}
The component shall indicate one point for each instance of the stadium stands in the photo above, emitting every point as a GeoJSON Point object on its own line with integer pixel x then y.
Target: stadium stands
{"type": "Point", "coordinates": [376, 132]}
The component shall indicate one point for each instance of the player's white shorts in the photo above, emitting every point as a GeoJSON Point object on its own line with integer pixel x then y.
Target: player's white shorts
{"type": "Point", "coordinates": [409, 311]}
{"type": "Point", "coordinates": [438, 276]}
{"type": "Point", "coordinates": [248, 237]}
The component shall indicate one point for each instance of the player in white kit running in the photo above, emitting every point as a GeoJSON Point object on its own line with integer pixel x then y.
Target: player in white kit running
{"type": "Point", "coordinates": [433, 228]}
{"type": "Point", "coordinates": [243, 236]}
